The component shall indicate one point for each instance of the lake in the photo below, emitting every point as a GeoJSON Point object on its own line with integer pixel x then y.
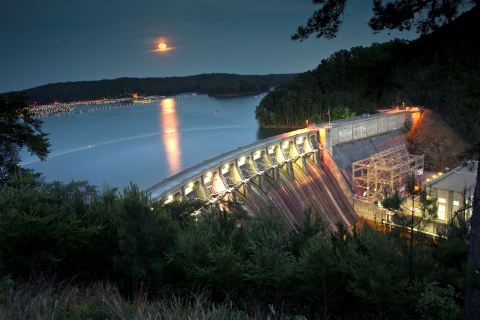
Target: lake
{"type": "Point", "coordinates": [116, 145]}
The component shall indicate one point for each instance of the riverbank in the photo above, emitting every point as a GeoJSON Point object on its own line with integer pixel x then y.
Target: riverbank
{"type": "Point", "coordinates": [289, 127]}
{"type": "Point", "coordinates": [236, 94]}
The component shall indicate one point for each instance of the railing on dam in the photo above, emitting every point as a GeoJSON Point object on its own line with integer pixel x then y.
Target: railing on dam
{"type": "Point", "coordinates": [361, 127]}
{"type": "Point", "coordinates": [212, 179]}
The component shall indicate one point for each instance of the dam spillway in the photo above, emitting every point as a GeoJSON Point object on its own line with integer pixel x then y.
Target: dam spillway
{"type": "Point", "coordinates": [287, 175]}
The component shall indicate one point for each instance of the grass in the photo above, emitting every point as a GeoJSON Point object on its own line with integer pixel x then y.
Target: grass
{"type": "Point", "coordinates": [42, 299]}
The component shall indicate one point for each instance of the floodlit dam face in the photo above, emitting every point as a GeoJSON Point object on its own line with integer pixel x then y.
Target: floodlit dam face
{"type": "Point", "coordinates": [286, 175]}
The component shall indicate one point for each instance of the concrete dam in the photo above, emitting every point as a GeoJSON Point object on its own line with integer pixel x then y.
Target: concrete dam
{"type": "Point", "coordinates": [287, 175]}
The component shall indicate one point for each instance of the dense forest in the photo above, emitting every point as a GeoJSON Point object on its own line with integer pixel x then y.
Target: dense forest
{"type": "Point", "coordinates": [215, 84]}
{"type": "Point", "coordinates": [440, 71]}
{"type": "Point", "coordinates": [72, 252]}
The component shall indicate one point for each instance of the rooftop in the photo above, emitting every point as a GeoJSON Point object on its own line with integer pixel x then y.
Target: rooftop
{"type": "Point", "coordinates": [347, 153]}
{"type": "Point", "coordinates": [459, 178]}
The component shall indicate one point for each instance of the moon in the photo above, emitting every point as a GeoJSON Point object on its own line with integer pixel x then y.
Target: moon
{"type": "Point", "coordinates": [162, 46]}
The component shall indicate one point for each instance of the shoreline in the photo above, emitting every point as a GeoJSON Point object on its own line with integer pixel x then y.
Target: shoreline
{"type": "Point", "coordinates": [235, 95]}
{"type": "Point", "coordinates": [281, 127]}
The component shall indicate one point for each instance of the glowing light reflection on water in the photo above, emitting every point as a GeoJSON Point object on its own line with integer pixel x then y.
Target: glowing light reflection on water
{"type": "Point", "coordinates": [145, 143]}
{"type": "Point", "coordinates": [171, 135]}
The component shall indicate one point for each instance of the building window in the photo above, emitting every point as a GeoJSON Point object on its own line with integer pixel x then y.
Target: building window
{"type": "Point", "coordinates": [442, 200]}
{"type": "Point", "coordinates": [441, 212]}
{"type": "Point", "coordinates": [456, 203]}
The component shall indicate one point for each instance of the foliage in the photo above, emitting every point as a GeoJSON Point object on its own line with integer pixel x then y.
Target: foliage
{"type": "Point", "coordinates": [256, 265]}
{"type": "Point", "coordinates": [413, 211]}
{"type": "Point", "coordinates": [18, 129]}
{"type": "Point", "coordinates": [325, 21]}
{"type": "Point", "coordinates": [439, 303]}
{"type": "Point", "coordinates": [375, 276]}
{"type": "Point", "coordinates": [44, 299]}
{"type": "Point", "coordinates": [439, 70]}
{"type": "Point", "coordinates": [215, 84]}
{"type": "Point", "coordinates": [426, 16]}
{"type": "Point", "coordinates": [472, 292]}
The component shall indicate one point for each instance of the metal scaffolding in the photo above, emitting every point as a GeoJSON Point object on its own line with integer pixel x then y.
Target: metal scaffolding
{"type": "Point", "coordinates": [385, 172]}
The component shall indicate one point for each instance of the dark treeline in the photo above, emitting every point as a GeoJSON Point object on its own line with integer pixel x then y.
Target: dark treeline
{"type": "Point", "coordinates": [440, 70]}
{"type": "Point", "coordinates": [215, 84]}
{"type": "Point", "coordinates": [108, 240]}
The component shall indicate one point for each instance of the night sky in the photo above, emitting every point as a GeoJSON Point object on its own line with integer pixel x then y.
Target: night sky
{"type": "Point", "coordinates": [46, 41]}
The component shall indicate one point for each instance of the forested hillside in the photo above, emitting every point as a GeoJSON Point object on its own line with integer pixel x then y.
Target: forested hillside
{"type": "Point", "coordinates": [215, 84]}
{"type": "Point", "coordinates": [440, 71]}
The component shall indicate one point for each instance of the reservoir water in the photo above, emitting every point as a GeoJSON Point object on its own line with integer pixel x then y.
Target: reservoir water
{"type": "Point", "coordinates": [108, 144]}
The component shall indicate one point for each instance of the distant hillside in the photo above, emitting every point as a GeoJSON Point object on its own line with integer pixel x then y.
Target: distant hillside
{"type": "Point", "coordinates": [215, 84]}
{"type": "Point", "coordinates": [440, 71]}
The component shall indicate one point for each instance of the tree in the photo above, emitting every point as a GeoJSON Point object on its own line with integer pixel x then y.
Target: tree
{"type": "Point", "coordinates": [425, 15]}
{"type": "Point", "coordinates": [437, 303]}
{"type": "Point", "coordinates": [413, 212]}
{"type": "Point", "coordinates": [472, 291]}
{"type": "Point", "coordinates": [19, 129]}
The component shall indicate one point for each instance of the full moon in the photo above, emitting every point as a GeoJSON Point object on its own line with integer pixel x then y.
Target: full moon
{"type": "Point", "coordinates": [162, 46]}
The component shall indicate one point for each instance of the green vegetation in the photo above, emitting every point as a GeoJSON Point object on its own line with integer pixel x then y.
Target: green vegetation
{"type": "Point", "coordinates": [43, 299]}
{"type": "Point", "coordinates": [439, 70]}
{"type": "Point", "coordinates": [432, 137]}
{"type": "Point", "coordinates": [106, 250]}
{"type": "Point", "coordinates": [215, 84]}
{"type": "Point", "coordinates": [19, 128]}
{"type": "Point", "coordinates": [412, 211]}
{"type": "Point", "coordinates": [425, 16]}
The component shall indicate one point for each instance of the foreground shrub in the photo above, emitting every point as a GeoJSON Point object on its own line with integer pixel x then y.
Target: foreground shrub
{"type": "Point", "coordinates": [79, 235]}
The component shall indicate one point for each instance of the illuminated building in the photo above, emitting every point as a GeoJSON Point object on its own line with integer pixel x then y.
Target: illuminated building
{"type": "Point", "coordinates": [454, 191]}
